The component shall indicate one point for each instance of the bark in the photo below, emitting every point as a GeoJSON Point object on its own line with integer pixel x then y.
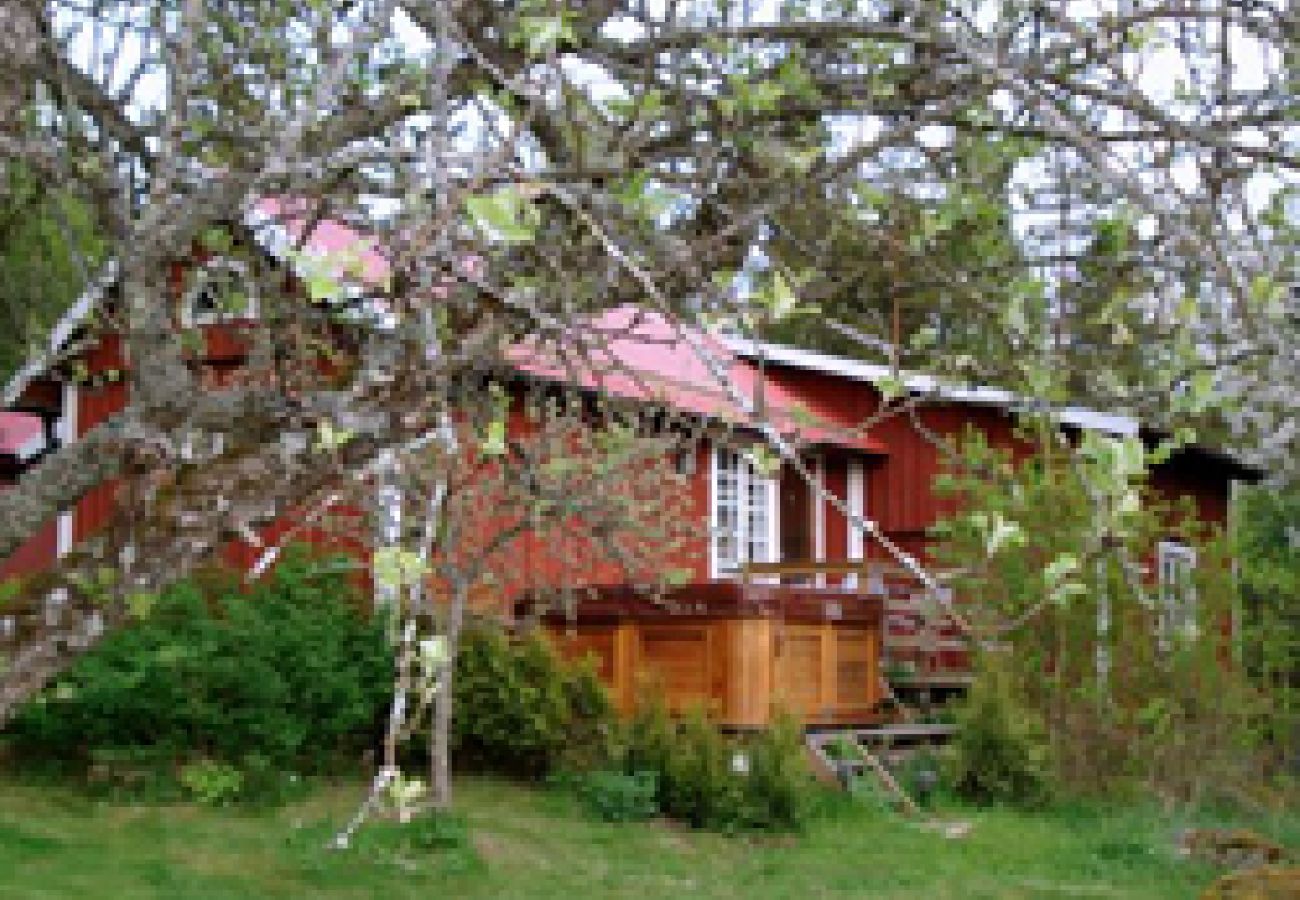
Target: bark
{"type": "Point", "coordinates": [104, 452]}
{"type": "Point", "coordinates": [177, 522]}
{"type": "Point", "coordinates": [440, 736]}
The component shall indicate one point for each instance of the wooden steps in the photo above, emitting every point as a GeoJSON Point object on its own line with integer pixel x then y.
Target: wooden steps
{"type": "Point", "coordinates": [886, 746]}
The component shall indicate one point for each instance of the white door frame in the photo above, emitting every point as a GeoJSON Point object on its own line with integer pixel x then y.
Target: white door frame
{"type": "Point", "coordinates": [857, 506]}
{"type": "Point", "coordinates": [818, 509]}
{"type": "Point", "coordinates": [65, 530]}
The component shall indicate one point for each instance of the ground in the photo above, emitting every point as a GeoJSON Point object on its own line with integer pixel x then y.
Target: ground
{"type": "Point", "coordinates": [533, 842]}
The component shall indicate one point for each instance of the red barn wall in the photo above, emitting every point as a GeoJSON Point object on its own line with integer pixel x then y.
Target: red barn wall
{"type": "Point", "coordinates": [36, 555]}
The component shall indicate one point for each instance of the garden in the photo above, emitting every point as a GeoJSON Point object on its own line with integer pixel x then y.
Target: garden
{"type": "Point", "coordinates": [215, 749]}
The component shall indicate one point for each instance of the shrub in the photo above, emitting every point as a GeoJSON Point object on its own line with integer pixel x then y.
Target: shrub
{"type": "Point", "coordinates": [711, 781]}
{"type": "Point", "coordinates": [212, 783]}
{"type": "Point", "coordinates": [699, 785]}
{"type": "Point", "coordinates": [649, 736]}
{"type": "Point", "coordinates": [592, 725]}
{"type": "Point", "coordinates": [619, 797]}
{"type": "Point", "coordinates": [778, 783]}
{"type": "Point", "coordinates": [520, 711]}
{"type": "Point", "coordinates": [286, 676]}
{"type": "Point", "coordinates": [999, 754]}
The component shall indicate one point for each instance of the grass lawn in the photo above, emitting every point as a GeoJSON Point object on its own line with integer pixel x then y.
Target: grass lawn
{"type": "Point", "coordinates": [58, 843]}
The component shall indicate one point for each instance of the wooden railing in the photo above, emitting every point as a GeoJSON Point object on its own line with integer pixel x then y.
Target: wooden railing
{"type": "Point", "coordinates": [909, 634]}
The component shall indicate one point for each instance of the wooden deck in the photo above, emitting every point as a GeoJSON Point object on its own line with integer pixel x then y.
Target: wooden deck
{"type": "Point", "coordinates": [792, 636]}
{"type": "Point", "coordinates": [743, 650]}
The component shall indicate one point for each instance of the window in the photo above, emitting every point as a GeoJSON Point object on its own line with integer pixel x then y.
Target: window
{"type": "Point", "coordinates": [857, 505]}
{"type": "Point", "coordinates": [743, 520]}
{"type": "Point", "coordinates": [1177, 565]}
{"type": "Point", "coordinates": [221, 289]}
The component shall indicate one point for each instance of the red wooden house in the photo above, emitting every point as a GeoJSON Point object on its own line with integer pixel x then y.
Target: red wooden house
{"type": "Point", "coordinates": [788, 600]}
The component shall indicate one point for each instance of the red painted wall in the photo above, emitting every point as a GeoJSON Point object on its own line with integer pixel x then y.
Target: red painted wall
{"type": "Point", "coordinates": [37, 555]}
{"type": "Point", "coordinates": [898, 484]}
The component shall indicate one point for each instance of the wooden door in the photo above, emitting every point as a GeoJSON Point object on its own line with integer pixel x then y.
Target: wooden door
{"type": "Point", "coordinates": [795, 517]}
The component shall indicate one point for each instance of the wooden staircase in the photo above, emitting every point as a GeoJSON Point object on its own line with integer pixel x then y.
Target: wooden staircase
{"type": "Point", "coordinates": [926, 657]}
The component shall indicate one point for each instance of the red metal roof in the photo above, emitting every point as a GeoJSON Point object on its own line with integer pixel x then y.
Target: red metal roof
{"type": "Point", "coordinates": [639, 354]}
{"type": "Point", "coordinates": [628, 351]}
{"type": "Point", "coordinates": [21, 434]}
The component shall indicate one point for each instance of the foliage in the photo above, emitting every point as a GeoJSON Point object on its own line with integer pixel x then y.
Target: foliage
{"type": "Point", "coordinates": [521, 711]}
{"type": "Point", "coordinates": [591, 729]}
{"type": "Point", "coordinates": [212, 783]}
{"type": "Point", "coordinates": [778, 786]}
{"type": "Point", "coordinates": [711, 781]}
{"type": "Point", "coordinates": [1131, 681]}
{"type": "Point", "coordinates": [999, 753]}
{"type": "Point", "coordinates": [699, 784]}
{"type": "Point", "coordinates": [287, 676]}
{"type": "Point", "coordinates": [1268, 556]}
{"type": "Point", "coordinates": [47, 244]}
{"type": "Point", "coordinates": [620, 796]}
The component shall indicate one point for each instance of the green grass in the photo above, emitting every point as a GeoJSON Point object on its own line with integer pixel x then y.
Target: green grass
{"type": "Point", "coordinates": [57, 843]}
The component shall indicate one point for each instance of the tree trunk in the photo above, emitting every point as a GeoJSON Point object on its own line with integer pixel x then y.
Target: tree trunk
{"type": "Point", "coordinates": [440, 736]}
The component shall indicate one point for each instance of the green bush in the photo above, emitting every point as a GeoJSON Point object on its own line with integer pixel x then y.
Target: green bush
{"type": "Point", "coordinates": [619, 797]}
{"type": "Point", "coordinates": [778, 787]}
{"type": "Point", "coordinates": [999, 753]}
{"type": "Point", "coordinates": [592, 725]}
{"type": "Point", "coordinates": [521, 711]}
{"type": "Point", "coordinates": [699, 784]}
{"type": "Point", "coordinates": [212, 783]}
{"type": "Point", "coordinates": [286, 676]}
{"type": "Point", "coordinates": [712, 781]}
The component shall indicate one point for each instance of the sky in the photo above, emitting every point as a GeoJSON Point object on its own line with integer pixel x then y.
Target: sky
{"type": "Point", "coordinates": [1158, 70]}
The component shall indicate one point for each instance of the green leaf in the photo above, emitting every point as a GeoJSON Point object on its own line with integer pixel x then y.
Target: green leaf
{"type": "Point", "coordinates": [394, 567]}
{"type": "Point", "coordinates": [1060, 568]}
{"type": "Point", "coordinates": [494, 440]}
{"type": "Point", "coordinates": [216, 240]}
{"type": "Point", "coordinates": [542, 34]}
{"type": "Point", "coordinates": [9, 590]}
{"type": "Point", "coordinates": [677, 577]}
{"type": "Point", "coordinates": [504, 215]}
{"type": "Point", "coordinates": [924, 338]}
{"type": "Point", "coordinates": [891, 386]}
{"type": "Point", "coordinates": [322, 286]}
{"type": "Point", "coordinates": [765, 462]}
{"type": "Point", "coordinates": [329, 438]}
{"type": "Point", "coordinates": [434, 652]}
{"type": "Point", "coordinates": [139, 604]}
{"type": "Point", "coordinates": [1002, 533]}
{"type": "Point", "coordinates": [784, 300]}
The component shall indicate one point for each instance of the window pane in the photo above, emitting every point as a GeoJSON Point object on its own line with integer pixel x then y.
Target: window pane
{"type": "Point", "coordinates": [726, 487]}
{"type": "Point", "coordinates": [760, 518]}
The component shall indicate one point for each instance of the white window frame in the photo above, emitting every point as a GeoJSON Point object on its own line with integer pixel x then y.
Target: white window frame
{"type": "Point", "coordinates": [1175, 569]}
{"type": "Point", "coordinates": [857, 505]}
{"type": "Point", "coordinates": [818, 504]}
{"type": "Point", "coordinates": [65, 530]}
{"type": "Point", "coordinates": [746, 480]}
{"type": "Point", "coordinates": [202, 275]}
